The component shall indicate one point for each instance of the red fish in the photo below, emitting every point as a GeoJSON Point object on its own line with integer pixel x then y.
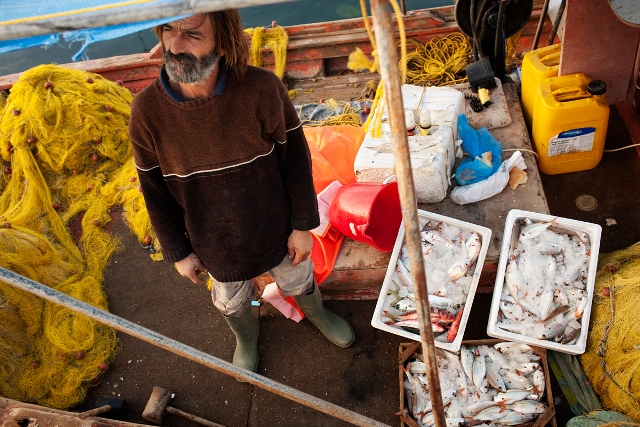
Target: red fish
{"type": "Point", "coordinates": [453, 330]}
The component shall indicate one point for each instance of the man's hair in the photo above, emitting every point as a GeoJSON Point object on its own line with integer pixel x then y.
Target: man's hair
{"type": "Point", "coordinates": [229, 36]}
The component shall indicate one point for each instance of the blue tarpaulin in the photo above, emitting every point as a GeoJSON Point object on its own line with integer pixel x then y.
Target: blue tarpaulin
{"type": "Point", "coordinates": [24, 11]}
{"type": "Point", "coordinates": [28, 23]}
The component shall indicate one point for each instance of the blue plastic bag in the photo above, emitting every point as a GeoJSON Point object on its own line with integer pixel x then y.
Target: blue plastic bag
{"type": "Point", "coordinates": [477, 142]}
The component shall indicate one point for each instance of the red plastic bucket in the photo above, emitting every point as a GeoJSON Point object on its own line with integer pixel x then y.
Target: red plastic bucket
{"type": "Point", "coordinates": [368, 212]}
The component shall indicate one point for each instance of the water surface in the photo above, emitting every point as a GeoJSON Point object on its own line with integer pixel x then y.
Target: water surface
{"type": "Point", "coordinates": [292, 13]}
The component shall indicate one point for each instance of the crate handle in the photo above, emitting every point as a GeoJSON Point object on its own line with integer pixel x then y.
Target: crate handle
{"type": "Point", "coordinates": [570, 93]}
{"type": "Point", "coordinates": [551, 60]}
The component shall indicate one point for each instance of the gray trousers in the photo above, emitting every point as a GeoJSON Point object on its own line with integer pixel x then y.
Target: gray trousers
{"type": "Point", "coordinates": [233, 298]}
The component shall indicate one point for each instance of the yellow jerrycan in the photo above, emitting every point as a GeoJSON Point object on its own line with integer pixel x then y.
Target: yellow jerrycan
{"type": "Point", "coordinates": [570, 123]}
{"type": "Point", "coordinates": [537, 65]}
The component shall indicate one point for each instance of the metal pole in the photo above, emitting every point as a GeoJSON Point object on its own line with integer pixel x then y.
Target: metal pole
{"type": "Point", "coordinates": [543, 16]}
{"type": "Point", "coordinates": [390, 74]}
{"type": "Point", "coordinates": [105, 15]}
{"type": "Point", "coordinates": [185, 351]}
{"type": "Point", "coordinates": [556, 23]}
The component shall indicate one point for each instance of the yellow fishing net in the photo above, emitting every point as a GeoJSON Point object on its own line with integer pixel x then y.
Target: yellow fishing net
{"type": "Point", "coordinates": [612, 359]}
{"type": "Point", "coordinates": [65, 151]}
{"type": "Point", "coordinates": [275, 39]}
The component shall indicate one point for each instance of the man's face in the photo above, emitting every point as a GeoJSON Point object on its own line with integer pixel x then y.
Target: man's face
{"type": "Point", "coordinates": [188, 50]}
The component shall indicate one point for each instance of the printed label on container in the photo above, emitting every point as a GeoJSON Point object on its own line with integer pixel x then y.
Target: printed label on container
{"type": "Point", "coordinates": [572, 141]}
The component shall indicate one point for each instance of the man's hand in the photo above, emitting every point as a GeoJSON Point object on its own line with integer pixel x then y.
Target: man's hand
{"type": "Point", "coordinates": [191, 267]}
{"type": "Point", "coordinates": [299, 244]}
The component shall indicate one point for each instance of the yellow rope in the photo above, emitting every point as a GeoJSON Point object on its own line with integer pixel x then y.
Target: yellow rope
{"type": "Point", "coordinates": [348, 117]}
{"type": "Point", "coordinates": [65, 152]}
{"type": "Point", "coordinates": [275, 39]}
{"type": "Point", "coordinates": [359, 61]}
{"type": "Point", "coordinates": [439, 62]}
{"type": "Point", "coordinates": [612, 359]}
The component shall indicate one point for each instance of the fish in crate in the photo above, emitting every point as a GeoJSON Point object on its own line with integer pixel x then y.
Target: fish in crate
{"type": "Point", "coordinates": [489, 382]}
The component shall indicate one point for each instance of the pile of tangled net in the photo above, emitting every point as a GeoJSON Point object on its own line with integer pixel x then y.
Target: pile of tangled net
{"type": "Point", "coordinates": [276, 39]}
{"type": "Point", "coordinates": [65, 151]}
{"type": "Point", "coordinates": [612, 359]}
{"type": "Point", "coordinates": [440, 62]}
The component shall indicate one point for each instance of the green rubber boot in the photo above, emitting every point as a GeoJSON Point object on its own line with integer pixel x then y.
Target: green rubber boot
{"type": "Point", "coordinates": [246, 329]}
{"type": "Point", "coordinates": [335, 328]}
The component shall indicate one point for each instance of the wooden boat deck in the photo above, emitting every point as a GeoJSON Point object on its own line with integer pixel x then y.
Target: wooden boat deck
{"type": "Point", "coordinates": [360, 269]}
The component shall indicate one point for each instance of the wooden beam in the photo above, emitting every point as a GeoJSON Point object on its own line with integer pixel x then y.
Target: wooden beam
{"type": "Point", "coordinates": [391, 79]}
{"type": "Point", "coordinates": [49, 24]}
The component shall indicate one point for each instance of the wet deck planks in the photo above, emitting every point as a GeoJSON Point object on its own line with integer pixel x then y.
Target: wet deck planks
{"type": "Point", "coordinates": [360, 269]}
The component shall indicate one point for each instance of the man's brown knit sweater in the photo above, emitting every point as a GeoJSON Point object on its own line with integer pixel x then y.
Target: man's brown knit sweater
{"type": "Point", "coordinates": [227, 177]}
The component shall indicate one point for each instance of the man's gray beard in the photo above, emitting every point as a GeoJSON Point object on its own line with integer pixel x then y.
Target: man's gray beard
{"type": "Point", "coordinates": [194, 71]}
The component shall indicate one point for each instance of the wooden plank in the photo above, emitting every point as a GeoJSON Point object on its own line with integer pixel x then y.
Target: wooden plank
{"type": "Point", "coordinates": [362, 268]}
{"type": "Point", "coordinates": [591, 30]}
{"type": "Point", "coordinates": [102, 17]}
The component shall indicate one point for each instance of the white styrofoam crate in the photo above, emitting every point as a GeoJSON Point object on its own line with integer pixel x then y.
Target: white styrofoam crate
{"type": "Point", "coordinates": [593, 231]}
{"type": "Point", "coordinates": [384, 299]}
{"type": "Point", "coordinates": [432, 155]}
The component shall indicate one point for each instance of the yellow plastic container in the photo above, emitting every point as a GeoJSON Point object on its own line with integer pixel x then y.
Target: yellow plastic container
{"type": "Point", "coordinates": [537, 65]}
{"type": "Point", "coordinates": [570, 123]}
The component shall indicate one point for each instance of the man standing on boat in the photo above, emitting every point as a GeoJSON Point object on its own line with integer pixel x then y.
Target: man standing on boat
{"type": "Point", "coordinates": [226, 175]}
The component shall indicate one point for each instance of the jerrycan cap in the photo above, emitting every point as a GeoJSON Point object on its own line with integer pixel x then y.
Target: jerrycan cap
{"type": "Point", "coordinates": [597, 87]}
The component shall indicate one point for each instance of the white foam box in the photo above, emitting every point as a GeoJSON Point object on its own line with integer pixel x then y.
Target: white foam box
{"type": "Point", "coordinates": [384, 300]}
{"type": "Point", "coordinates": [593, 231]}
{"type": "Point", "coordinates": [432, 156]}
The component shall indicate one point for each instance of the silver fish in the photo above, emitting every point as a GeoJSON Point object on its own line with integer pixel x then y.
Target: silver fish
{"type": "Point", "coordinates": [460, 376]}
{"type": "Point", "coordinates": [510, 396]}
{"type": "Point", "coordinates": [538, 382]}
{"type": "Point", "coordinates": [560, 297]}
{"type": "Point", "coordinates": [494, 379]}
{"type": "Point", "coordinates": [511, 327]}
{"type": "Point", "coordinates": [570, 334]}
{"type": "Point", "coordinates": [455, 422]}
{"type": "Point", "coordinates": [497, 358]}
{"type": "Point", "coordinates": [555, 328]}
{"type": "Point", "coordinates": [528, 407]}
{"type": "Point", "coordinates": [514, 381]}
{"type": "Point", "coordinates": [536, 229]}
{"type": "Point", "coordinates": [458, 270]}
{"type": "Point", "coordinates": [473, 246]}
{"type": "Point", "coordinates": [513, 347]}
{"type": "Point", "coordinates": [404, 275]}
{"type": "Point", "coordinates": [580, 306]}
{"type": "Point", "coordinates": [433, 236]}
{"type": "Point", "coordinates": [479, 371]}
{"type": "Point", "coordinates": [526, 369]}
{"type": "Point", "coordinates": [515, 233]}
{"type": "Point", "coordinates": [405, 305]}
{"type": "Point", "coordinates": [529, 307]}
{"type": "Point", "coordinates": [514, 279]}
{"type": "Point", "coordinates": [466, 358]}
{"type": "Point", "coordinates": [492, 413]}
{"type": "Point", "coordinates": [561, 229]}
{"type": "Point", "coordinates": [516, 418]}
{"type": "Point", "coordinates": [557, 311]}
{"type": "Point", "coordinates": [546, 302]}
{"type": "Point", "coordinates": [428, 419]}
{"type": "Point", "coordinates": [447, 397]}
{"type": "Point", "coordinates": [439, 302]}
{"type": "Point", "coordinates": [476, 407]}
{"type": "Point", "coordinates": [547, 248]}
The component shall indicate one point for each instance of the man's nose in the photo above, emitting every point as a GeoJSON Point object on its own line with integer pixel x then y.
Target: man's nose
{"type": "Point", "coordinates": [177, 45]}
